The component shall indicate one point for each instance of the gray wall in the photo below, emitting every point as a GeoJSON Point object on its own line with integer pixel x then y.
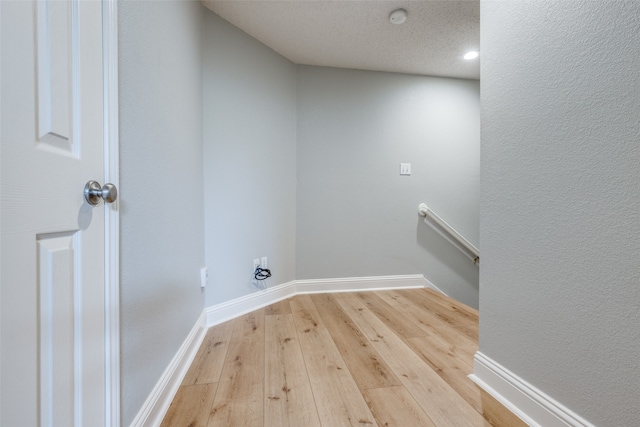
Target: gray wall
{"type": "Point", "coordinates": [356, 215]}
{"type": "Point", "coordinates": [161, 207]}
{"type": "Point", "coordinates": [250, 160]}
{"type": "Point", "coordinates": [560, 191]}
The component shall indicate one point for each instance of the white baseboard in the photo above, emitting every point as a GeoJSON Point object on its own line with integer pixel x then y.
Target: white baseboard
{"type": "Point", "coordinates": [237, 307]}
{"type": "Point", "coordinates": [157, 404]}
{"type": "Point", "coordinates": [359, 284]}
{"type": "Point", "coordinates": [231, 309]}
{"type": "Point", "coordinates": [530, 404]}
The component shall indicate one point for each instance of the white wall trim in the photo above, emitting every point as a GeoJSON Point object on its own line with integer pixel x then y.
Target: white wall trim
{"type": "Point", "coordinates": [222, 312]}
{"type": "Point", "coordinates": [112, 216]}
{"type": "Point", "coordinates": [231, 309]}
{"type": "Point", "coordinates": [529, 403]}
{"type": "Point", "coordinates": [159, 400]}
{"type": "Point", "coordinates": [360, 284]}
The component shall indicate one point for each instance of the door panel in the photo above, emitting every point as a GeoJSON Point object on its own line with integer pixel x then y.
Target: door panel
{"type": "Point", "coordinates": [53, 47]}
{"type": "Point", "coordinates": [57, 294]}
{"type": "Point", "coordinates": [52, 290]}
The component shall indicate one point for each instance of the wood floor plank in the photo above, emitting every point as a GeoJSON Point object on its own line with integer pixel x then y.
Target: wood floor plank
{"type": "Point", "coordinates": [207, 365]}
{"type": "Point", "coordinates": [390, 297]}
{"type": "Point", "coordinates": [456, 309]}
{"type": "Point", "coordinates": [450, 368]}
{"type": "Point", "coordinates": [365, 364]}
{"type": "Point", "coordinates": [454, 318]}
{"type": "Point", "coordinates": [443, 357]}
{"type": "Point", "coordinates": [305, 314]}
{"type": "Point", "coordinates": [444, 406]}
{"type": "Point", "coordinates": [497, 414]}
{"type": "Point", "coordinates": [288, 397]}
{"type": "Point", "coordinates": [280, 307]}
{"type": "Point", "coordinates": [337, 396]}
{"type": "Point", "coordinates": [346, 294]}
{"type": "Point", "coordinates": [447, 308]}
{"type": "Point", "coordinates": [240, 395]}
{"type": "Point", "coordinates": [395, 407]}
{"type": "Point", "coordinates": [463, 346]}
{"type": "Point", "coordinates": [190, 406]}
{"type": "Point", "coordinates": [393, 318]}
{"type": "Point", "coordinates": [450, 301]}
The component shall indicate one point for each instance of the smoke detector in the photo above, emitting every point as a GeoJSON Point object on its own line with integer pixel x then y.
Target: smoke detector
{"type": "Point", "coordinates": [398, 16]}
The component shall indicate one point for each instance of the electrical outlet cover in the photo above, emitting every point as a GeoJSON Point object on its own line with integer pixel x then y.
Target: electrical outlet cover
{"type": "Point", "coordinates": [204, 276]}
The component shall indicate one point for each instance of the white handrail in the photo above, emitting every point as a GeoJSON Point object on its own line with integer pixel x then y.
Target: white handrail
{"type": "Point", "coordinates": [449, 233]}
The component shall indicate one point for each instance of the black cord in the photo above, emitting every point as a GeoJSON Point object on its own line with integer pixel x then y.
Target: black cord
{"type": "Point", "coordinates": [262, 273]}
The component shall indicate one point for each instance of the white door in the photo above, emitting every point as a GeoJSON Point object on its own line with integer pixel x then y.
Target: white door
{"type": "Point", "coordinates": [52, 255]}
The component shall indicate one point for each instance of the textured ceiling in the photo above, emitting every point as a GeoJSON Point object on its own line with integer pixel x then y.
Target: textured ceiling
{"type": "Point", "coordinates": [357, 33]}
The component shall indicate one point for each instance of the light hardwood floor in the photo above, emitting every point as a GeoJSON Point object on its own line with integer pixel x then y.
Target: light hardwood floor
{"type": "Point", "coordinates": [389, 358]}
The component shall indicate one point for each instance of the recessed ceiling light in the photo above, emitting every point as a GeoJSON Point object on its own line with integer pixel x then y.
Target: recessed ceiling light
{"type": "Point", "coordinates": [398, 16]}
{"type": "Point", "coordinates": [471, 55]}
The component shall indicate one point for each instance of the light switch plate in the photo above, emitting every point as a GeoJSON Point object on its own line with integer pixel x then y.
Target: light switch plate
{"type": "Point", "coordinates": [405, 168]}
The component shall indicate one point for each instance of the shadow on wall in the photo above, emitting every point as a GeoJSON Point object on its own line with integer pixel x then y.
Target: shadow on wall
{"type": "Point", "coordinates": [447, 254]}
